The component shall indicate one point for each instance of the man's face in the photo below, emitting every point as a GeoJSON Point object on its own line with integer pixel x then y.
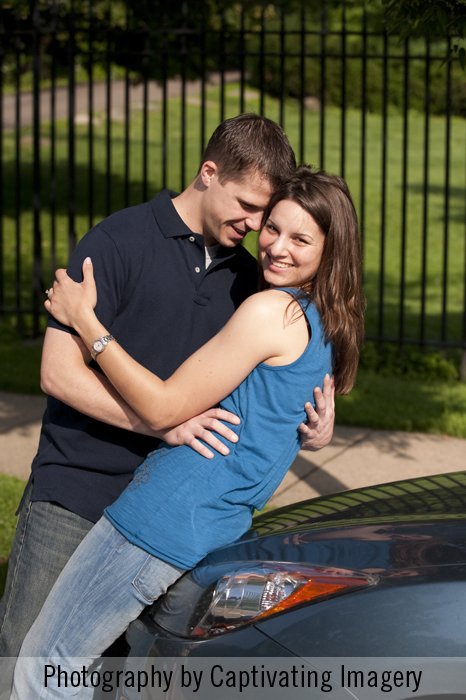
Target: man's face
{"type": "Point", "coordinates": [231, 210]}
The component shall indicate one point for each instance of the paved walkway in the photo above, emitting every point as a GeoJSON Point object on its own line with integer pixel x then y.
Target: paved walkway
{"type": "Point", "coordinates": [174, 88]}
{"type": "Point", "coordinates": [356, 456]}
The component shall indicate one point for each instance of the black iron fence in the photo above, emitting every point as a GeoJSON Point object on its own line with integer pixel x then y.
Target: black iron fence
{"type": "Point", "coordinates": [102, 106]}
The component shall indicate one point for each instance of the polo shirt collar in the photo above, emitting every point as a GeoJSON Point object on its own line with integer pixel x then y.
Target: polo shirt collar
{"type": "Point", "coordinates": [173, 225]}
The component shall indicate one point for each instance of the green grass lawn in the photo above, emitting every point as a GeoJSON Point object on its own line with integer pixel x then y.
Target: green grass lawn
{"type": "Point", "coordinates": [390, 250]}
{"type": "Point", "coordinates": [405, 403]}
{"type": "Point", "coordinates": [11, 490]}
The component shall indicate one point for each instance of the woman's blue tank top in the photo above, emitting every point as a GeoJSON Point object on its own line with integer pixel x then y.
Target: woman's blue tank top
{"type": "Point", "coordinates": [180, 505]}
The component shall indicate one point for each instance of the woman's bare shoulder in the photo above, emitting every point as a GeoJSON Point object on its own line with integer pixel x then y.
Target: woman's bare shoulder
{"type": "Point", "coordinates": [269, 300]}
{"type": "Point", "coordinates": [268, 311]}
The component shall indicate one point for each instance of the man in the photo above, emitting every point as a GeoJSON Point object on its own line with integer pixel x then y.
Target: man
{"type": "Point", "coordinates": [169, 273]}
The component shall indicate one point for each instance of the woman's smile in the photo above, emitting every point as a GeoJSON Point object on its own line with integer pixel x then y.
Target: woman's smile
{"type": "Point", "coordinates": [290, 245]}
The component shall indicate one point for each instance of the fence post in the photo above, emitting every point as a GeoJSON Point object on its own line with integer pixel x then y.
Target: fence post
{"type": "Point", "coordinates": [71, 134]}
{"type": "Point", "coordinates": [37, 280]}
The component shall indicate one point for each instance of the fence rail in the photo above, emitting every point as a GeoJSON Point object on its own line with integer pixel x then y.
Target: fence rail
{"type": "Point", "coordinates": [80, 139]}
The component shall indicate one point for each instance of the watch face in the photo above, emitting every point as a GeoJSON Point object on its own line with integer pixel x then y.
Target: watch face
{"type": "Point", "coordinates": [98, 346]}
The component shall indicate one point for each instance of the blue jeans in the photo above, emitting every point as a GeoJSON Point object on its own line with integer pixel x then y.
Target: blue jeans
{"type": "Point", "coordinates": [104, 586]}
{"type": "Point", "coordinates": [46, 537]}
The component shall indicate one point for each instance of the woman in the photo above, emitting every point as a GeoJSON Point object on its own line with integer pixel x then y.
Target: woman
{"type": "Point", "coordinates": [180, 505]}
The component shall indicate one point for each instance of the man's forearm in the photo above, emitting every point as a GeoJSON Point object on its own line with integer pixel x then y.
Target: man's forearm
{"type": "Point", "coordinates": [66, 375]}
{"type": "Point", "coordinates": [101, 401]}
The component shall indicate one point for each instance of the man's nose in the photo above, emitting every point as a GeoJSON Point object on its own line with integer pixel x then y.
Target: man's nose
{"type": "Point", "coordinates": [254, 221]}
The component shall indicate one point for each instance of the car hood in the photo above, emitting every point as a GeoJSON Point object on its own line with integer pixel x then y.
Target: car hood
{"type": "Point", "coordinates": [426, 499]}
{"type": "Point", "coordinates": [409, 524]}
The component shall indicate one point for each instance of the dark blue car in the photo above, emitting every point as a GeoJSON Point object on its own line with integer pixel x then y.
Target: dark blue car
{"type": "Point", "coordinates": [377, 573]}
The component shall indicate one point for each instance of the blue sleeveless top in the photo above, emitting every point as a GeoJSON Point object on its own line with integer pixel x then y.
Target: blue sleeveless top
{"type": "Point", "coordinates": [180, 505]}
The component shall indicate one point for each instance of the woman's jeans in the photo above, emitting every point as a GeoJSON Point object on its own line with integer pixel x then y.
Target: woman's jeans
{"type": "Point", "coordinates": [105, 585]}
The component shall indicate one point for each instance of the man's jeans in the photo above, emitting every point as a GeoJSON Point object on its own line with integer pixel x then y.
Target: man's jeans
{"type": "Point", "coordinates": [46, 537]}
{"type": "Point", "coordinates": [105, 586]}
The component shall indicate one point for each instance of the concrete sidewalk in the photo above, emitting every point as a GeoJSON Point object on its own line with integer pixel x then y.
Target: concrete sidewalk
{"type": "Point", "coordinates": [356, 456]}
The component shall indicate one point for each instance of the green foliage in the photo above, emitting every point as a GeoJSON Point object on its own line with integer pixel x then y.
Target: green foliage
{"type": "Point", "coordinates": [390, 360]}
{"type": "Point", "coordinates": [426, 18]}
{"type": "Point", "coordinates": [293, 64]}
{"type": "Point", "coordinates": [152, 39]}
{"type": "Point", "coordinates": [430, 19]}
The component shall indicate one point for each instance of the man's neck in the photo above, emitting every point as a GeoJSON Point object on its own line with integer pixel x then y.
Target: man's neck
{"type": "Point", "coordinates": [188, 207]}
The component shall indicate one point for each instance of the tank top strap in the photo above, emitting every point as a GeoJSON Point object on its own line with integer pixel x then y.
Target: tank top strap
{"type": "Point", "coordinates": [312, 315]}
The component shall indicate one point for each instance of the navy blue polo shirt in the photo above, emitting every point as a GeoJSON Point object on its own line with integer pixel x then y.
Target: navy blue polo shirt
{"type": "Point", "coordinates": [161, 304]}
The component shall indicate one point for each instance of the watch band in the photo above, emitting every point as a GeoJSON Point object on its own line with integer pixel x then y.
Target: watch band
{"type": "Point", "coordinates": [100, 344]}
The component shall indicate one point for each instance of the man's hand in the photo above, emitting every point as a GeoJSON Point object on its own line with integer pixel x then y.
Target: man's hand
{"type": "Point", "coordinates": [318, 430]}
{"type": "Point", "coordinates": [200, 428]}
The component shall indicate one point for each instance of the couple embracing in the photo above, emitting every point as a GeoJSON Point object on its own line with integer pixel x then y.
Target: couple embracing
{"type": "Point", "coordinates": [165, 346]}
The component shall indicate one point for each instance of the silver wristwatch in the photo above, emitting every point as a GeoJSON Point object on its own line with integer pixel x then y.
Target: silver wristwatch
{"type": "Point", "coordinates": [99, 345]}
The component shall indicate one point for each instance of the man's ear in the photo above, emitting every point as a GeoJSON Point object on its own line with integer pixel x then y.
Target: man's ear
{"type": "Point", "coordinates": [208, 172]}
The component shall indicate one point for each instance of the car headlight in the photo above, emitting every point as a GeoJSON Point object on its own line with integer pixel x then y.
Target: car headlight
{"type": "Point", "coordinates": [198, 606]}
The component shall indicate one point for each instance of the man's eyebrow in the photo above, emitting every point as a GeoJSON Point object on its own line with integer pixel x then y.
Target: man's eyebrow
{"type": "Point", "coordinates": [249, 205]}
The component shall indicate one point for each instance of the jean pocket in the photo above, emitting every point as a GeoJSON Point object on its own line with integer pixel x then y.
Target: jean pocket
{"type": "Point", "coordinates": [154, 577]}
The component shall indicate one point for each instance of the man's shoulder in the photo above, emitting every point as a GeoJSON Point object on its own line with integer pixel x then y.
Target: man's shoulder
{"type": "Point", "coordinates": [157, 215]}
{"type": "Point", "coordinates": [132, 226]}
{"type": "Point", "coordinates": [121, 220]}
{"type": "Point", "coordinates": [245, 259]}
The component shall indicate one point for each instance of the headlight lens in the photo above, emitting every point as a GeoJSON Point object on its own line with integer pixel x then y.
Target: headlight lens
{"type": "Point", "coordinates": [250, 594]}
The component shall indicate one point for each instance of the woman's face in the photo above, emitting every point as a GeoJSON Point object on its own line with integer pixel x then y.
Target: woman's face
{"type": "Point", "coordinates": [290, 246]}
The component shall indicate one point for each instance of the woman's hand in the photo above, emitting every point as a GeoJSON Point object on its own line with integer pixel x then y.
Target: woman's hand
{"type": "Point", "coordinates": [68, 301]}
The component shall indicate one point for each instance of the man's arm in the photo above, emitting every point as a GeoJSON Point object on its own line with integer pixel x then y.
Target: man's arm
{"type": "Point", "coordinates": [318, 430]}
{"type": "Point", "coordinates": [65, 374]}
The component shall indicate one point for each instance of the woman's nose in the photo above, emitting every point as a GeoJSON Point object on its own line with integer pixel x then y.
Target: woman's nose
{"type": "Point", "coordinates": [278, 247]}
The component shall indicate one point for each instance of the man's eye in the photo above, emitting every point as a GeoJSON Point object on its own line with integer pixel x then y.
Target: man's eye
{"type": "Point", "coordinates": [249, 207]}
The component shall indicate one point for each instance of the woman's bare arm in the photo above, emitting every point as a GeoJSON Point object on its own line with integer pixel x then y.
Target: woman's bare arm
{"type": "Point", "coordinates": [256, 333]}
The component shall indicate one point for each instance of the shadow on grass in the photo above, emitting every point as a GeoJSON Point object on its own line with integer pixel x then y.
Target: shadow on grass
{"type": "Point", "coordinates": [115, 184]}
{"type": "Point", "coordinates": [409, 326]}
{"type": "Point", "coordinates": [455, 199]}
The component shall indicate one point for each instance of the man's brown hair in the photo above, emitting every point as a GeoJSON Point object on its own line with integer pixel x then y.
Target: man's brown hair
{"type": "Point", "coordinates": [251, 143]}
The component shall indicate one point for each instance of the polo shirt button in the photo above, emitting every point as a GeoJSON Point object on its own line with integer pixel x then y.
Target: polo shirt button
{"type": "Point", "coordinates": [192, 239]}
{"type": "Point", "coordinates": [198, 269]}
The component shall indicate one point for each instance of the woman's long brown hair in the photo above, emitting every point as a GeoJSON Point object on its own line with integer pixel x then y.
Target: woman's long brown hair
{"type": "Point", "coordinates": [336, 288]}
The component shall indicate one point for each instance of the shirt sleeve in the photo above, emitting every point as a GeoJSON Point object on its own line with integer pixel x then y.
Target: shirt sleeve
{"type": "Point", "coordinates": [108, 271]}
